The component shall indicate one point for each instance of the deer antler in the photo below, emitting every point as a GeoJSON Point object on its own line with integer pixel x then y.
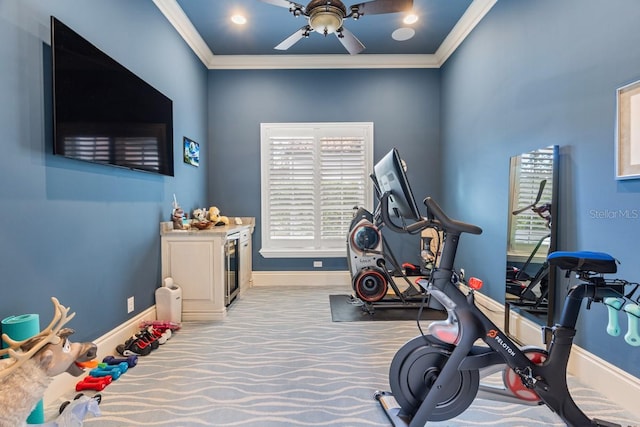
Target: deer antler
{"type": "Point", "coordinates": [47, 336]}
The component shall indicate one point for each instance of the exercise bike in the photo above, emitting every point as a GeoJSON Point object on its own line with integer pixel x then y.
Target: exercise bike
{"type": "Point", "coordinates": [436, 376]}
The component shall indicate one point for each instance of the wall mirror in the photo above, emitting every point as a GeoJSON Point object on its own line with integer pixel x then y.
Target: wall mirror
{"type": "Point", "coordinates": [530, 283]}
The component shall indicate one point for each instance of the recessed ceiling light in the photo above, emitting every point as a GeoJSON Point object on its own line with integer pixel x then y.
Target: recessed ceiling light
{"type": "Point", "coordinates": [402, 34]}
{"type": "Point", "coordinates": [411, 18]}
{"type": "Point", "coordinates": [238, 19]}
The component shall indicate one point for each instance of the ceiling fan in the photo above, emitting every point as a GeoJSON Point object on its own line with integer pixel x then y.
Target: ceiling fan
{"type": "Point", "coordinates": [326, 17]}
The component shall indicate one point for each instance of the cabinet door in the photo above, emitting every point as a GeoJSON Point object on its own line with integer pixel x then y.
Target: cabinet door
{"type": "Point", "coordinates": [191, 266]}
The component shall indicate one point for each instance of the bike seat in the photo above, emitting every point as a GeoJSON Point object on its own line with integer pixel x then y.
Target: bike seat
{"type": "Point", "coordinates": [583, 261]}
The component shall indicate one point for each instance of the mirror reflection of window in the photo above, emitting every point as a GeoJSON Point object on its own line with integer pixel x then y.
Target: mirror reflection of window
{"type": "Point", "coordinates": [530, 219]}
{"type": "Point", "coordinates": [530, 238]}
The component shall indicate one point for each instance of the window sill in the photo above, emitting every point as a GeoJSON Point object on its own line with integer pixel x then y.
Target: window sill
{"type": "Point", "coordinates": [522, 257]}
{"type": "Point", "coordinates": [303, 253]}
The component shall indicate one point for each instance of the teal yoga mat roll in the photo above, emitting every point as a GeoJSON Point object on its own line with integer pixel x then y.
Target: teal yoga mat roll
{"type": "Point", "coordinates": [20, 328]}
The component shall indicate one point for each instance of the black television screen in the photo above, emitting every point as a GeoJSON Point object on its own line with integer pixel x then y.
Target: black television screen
{"type": "Point", "coordinates": [102, 112]}
{"type": "Point", "coordinates": [390, 175]}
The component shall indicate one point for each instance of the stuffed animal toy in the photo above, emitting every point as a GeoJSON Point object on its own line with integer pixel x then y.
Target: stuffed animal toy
{"type": "Point", "coordinates": [216, 218]}
{"type": "Point", "coordinates": [200, 220]}
{"type": "Point", "coordinates": [200, 214]}
{"type": "Point", "coordinates": [33, 363]}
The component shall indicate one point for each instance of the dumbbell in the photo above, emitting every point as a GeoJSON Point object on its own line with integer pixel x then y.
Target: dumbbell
{"type": "Point", "coordinates": [632, 337]}
{"type": "Point", "coordinates": [130, 360]}
{"type": "Point", "coordinates": [99, 372]}
{"type": "Point", "coordinates": [613, 306]}
{"type": "Point", "coordinates": [89, 379]}
{"type": "Point", "coordinates": [92, 384]}
{"type": "Point", "coordinates": [122, 366]}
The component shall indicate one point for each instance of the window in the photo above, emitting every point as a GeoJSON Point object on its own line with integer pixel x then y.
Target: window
{"type": "Point", "coordinates": [527, 228]}
{"type": "Point", "coordinates": [313, 175]}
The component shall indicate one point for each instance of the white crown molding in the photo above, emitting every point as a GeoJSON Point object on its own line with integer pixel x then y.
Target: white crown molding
{"type": "Point", "coordinates": [176, 16]}
{"type": "Point", "coordinates": [471, 17]}
{"type": "Point", "coordinates": [222, 62]}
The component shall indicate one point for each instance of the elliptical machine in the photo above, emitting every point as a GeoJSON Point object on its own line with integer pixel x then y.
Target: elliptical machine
{"type": "Point", "coordinates": [371, 260]}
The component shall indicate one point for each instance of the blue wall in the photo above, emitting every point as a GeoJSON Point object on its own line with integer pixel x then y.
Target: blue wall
{"type": "Point", "coordinates": [533, 74]}
{"type": "Point", "coordinates": [87, 234]}
{"type": "Point", "coordinates": [404, 106]}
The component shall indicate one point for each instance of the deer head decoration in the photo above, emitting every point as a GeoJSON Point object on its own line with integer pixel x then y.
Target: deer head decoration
{"type": "Point", "coordinates": [52, 348]}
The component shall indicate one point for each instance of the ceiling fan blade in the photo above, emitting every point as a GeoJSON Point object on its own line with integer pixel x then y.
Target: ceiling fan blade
{"type": "Point", "coordinates": [284, 3]}
{"type": "Point", "coordinates": [376, 7]}
{"type": "Point", "coordinates": [293, 38]}
{"type": "Point", "coordinates": [349, 41]}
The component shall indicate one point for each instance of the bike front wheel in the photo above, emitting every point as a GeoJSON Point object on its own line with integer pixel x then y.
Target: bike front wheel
{"type": "Point", "coordinates": [415, 368]}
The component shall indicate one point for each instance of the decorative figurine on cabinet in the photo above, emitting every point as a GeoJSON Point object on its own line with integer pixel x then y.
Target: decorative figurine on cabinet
{"type": "Point", "coordinates": [177, 215]}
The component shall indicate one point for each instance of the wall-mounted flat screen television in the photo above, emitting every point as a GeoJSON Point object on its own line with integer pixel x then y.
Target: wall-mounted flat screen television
{"type": "Point", "coordinates": [102, 112]}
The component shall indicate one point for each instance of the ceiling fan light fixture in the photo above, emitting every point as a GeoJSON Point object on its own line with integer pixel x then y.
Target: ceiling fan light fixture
{"type": "Point", "coordinates": [326, 19]}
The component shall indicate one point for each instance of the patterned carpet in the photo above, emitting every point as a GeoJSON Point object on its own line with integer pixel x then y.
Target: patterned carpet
{"type": "Point", "coordinates": [279, 360]}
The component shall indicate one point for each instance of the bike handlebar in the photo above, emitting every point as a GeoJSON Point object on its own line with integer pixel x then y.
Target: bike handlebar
{"type": "Point", "coordinates": [448, 224]}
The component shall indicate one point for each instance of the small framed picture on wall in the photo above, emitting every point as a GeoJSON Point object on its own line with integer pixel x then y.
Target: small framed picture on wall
{"type": "Point", "coordinates": [191, 152]}
{"type": "Point", "coordinates": [628, 132]}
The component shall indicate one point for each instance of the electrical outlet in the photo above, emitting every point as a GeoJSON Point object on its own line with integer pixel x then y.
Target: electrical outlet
{"type": "Point", "coordinates": [317, 264]}
{"type": "Point", "coordinates": [130, 304]}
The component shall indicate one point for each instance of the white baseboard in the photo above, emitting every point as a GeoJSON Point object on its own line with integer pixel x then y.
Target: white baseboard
{"type": "Point", "coordinates": [301, 278]}
{"type": "Point", "coordinates": [611, 381]}
{"type": "Point", "coordinates": [64, 385]}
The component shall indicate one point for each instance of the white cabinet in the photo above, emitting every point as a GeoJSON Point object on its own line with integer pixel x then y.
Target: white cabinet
{"type": "Point", "coordinates": [245, 258]}
{"type": "Point", "coordinates": [196, 262]}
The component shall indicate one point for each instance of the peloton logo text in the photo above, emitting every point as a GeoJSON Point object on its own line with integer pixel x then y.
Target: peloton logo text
{"type": "Point", "coordinates": [494, 334]}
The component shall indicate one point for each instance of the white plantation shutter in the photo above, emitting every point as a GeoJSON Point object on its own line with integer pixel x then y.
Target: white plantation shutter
{"type": "Point", "coordinates": [343, 183]}
{"type": "Point", "coordinates": [291, 195]}
{"type": "Point", "coordinates": [313, 175]}
{"type": "Point", "coordinates": [527, 228]}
